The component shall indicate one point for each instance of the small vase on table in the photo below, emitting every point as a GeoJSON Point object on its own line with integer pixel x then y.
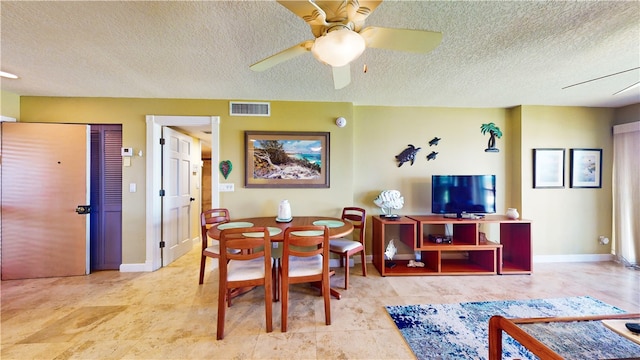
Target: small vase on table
{"type": "Point", "coordinates": [512, 213]}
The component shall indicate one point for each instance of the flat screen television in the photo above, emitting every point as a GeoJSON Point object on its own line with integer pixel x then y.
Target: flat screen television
{"type": "Point", "coordinates": [455, 195]}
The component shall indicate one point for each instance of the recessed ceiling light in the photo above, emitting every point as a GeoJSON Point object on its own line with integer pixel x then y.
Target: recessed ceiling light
{"type": "Point", "coordinates": [8, 75]}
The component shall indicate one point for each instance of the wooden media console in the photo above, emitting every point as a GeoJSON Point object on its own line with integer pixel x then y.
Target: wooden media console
{"type": "Point", "coordinates": [456, 246]}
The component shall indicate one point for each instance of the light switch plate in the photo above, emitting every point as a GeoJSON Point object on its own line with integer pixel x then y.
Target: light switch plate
{"type": "Point", "coordinates": [225, 187]}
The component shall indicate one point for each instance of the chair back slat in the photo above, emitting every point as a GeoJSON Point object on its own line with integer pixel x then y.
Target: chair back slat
{"type": "Point", "coordinates": [358, 218]}
{"type": "Point", "coordinates": [249, 247]}
{"type": "Point", "coordinates": [209, 218]}
{"type": "Point", "coordinates": [306, 246]}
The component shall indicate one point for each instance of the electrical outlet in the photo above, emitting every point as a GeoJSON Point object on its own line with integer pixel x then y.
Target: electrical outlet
{"type": "Point", "coordinates": [225, 187]}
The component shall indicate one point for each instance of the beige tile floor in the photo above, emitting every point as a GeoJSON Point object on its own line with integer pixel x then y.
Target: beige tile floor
{"type": "Point", "coordinates": [167, 315]}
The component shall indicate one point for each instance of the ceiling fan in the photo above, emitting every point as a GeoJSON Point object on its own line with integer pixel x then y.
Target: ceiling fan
{"type": "Point", "coordinates": [340, 37]}
{"type": "Point", "coordinates": [628, 88]}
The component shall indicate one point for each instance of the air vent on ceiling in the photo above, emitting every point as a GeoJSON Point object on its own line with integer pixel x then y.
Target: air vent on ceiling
{"type": "Point", "coordinates": [249, 108]}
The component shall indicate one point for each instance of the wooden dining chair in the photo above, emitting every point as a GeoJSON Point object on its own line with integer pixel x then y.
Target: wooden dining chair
{"type": "Point", "coordinates": [250, 266]}
{"type": "Point", "coordinates": [347, 247]}
{"type": "Point", "coordinates": [209, 218]}
{"type": "Point", "coordinates": [305, 258]}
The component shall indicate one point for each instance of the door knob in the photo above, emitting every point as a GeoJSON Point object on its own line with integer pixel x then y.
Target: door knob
{"type": "Point", "coordinates": [192, 199]}
{"type": "Point", "coordinates": [83, 209]}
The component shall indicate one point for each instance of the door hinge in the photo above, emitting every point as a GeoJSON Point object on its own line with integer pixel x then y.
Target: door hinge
{"type": "Point", "coordinates": [162, 192]}
{"type": "Point", "coordinates": [161, 141]}
{"type": "Point", "coordinates": [161, 244]}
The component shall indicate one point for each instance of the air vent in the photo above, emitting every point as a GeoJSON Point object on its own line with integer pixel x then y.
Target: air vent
{"type": "Point", "coordinates": [249, 109]}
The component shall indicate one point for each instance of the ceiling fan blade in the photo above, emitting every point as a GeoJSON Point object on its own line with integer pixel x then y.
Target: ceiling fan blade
{"type": "Point", "coordinates": [417, 41]}
{"type": "Point", "coordinates": [358, 11]}
{"type": "Point", "coordinates": [300, 8]}
{"type": "Point", "coordinates": [282, 56]}
{"type": "Point", "coordinates": [341, 76]}
{"type": "Point", "coordinates": [309, 11]}
{"type": "Point", "coordinates": [601, 77]}
{"type": "Point", "coordinates": [632, 86]}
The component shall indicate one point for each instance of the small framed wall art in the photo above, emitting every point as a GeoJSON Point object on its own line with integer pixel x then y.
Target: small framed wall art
{"type": "Point", "coordinates": [548, 168]}
{"type": "Point", "coordinates": [586, 168]}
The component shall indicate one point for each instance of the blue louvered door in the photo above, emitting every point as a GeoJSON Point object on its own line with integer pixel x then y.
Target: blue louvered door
{"type": "Point", "coordinates": [106, 197]}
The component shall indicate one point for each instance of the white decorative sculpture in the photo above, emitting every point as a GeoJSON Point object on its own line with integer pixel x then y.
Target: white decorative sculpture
{"type": "Point", "coordinates": [387, 200]}
{"type": "Point", "coordinates": [389, 253]}
{"type": "Point", "coordinates": [391, 250]}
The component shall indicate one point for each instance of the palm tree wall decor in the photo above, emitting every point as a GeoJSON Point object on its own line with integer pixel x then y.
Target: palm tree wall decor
{"type": "Point", "coordinates": [494, 132]}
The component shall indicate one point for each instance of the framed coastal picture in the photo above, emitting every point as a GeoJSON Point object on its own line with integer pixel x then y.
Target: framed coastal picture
{"type": "Point", "coordinates": [586, 168]}
{"type": "Point", "coordinates": [277, 159]}
{"type": "Point", "coordinates": [548, 168]}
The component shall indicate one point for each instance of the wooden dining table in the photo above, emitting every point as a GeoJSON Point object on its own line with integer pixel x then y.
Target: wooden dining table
{"type": "Point", "coordinates": [337, 228]}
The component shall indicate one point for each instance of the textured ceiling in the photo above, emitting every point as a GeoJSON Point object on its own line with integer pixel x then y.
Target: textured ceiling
{"type": "Point", "coordinates": [493, 54]}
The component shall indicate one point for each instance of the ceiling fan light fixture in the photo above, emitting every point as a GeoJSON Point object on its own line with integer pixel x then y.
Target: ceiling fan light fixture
{"type": "Point", "coordinates": [339, 47]}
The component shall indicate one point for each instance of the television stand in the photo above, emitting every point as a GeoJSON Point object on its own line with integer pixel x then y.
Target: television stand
{"type": "Point", "coordinates": [468, 252]}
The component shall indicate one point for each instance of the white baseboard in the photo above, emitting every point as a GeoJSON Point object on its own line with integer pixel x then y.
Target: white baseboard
{"type": "Point", "coordinates": [572, 258]}
{"type": "Point", "coordinates": [143, 267]}
{"type": "Point", "coordinates": [354, 260]}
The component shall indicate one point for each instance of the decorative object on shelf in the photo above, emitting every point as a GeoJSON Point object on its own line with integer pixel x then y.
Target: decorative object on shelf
{"type": "Point", "coordinates": [494, 132]}
{"type": "Point", "coordinates": [408, 154]}
{"type": "Point", "coordinates": [432, 156]}
{"type": "Point", "coordinates": [389, 253]}
{"type": "Point", "coordinates": [413, 263]}
{"type": "Point", "coordinates": [586, 168]}
{"type": "Point", "coordinates": [225, 168]}
{"type": "Point", "coordinates": [434, 141]}
{"type": "Point", "coordinates": [548, 168]}
{"type": "Point", "coordinates": [387, 200]}
{"type": "Point", "coordinates": [284, 211]}
{"type": "Point", "coordinates": [512, 213]}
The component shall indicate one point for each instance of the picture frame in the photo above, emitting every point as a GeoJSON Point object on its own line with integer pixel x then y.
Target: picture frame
{"type": "Point", "coordinates": [548, 168]}
{"type": "Point", "coordinates": [286, 159]}
{"type": "Point", "coordinates": [586, 168]}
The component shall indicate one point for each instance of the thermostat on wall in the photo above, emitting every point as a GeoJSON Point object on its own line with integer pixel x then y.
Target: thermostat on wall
{"type": "Point", "coordinates": [126, 151]}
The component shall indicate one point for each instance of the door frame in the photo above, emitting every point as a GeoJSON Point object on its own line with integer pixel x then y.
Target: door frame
{"type": "Point", "coordinates": [153, 204]}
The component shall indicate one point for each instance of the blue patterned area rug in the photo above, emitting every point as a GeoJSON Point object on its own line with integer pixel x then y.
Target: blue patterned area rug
{"type": "Point", "coordinates": [460, 331]}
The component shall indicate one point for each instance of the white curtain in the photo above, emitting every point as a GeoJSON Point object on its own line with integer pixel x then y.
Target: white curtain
{"type": "Point", "coordinates": [626, 193]}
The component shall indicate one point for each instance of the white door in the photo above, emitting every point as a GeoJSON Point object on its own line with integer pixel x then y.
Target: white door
{"type": "Point", "coordinates": [45, 178]}
{"type": "Point", "coordinates": [176, 202]}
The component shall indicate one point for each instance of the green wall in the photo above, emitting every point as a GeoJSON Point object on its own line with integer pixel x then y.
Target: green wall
{"type": "Point", "coordinates": [362, 162]}
{"type": "Point", "coordinates": [383, 132]}
{"type": "Point", "coordinates": [9, 104]}
{"type": "Point", "coordinates": [285, 116]}
{"type": "Point", "coordinates": [567, 220]}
